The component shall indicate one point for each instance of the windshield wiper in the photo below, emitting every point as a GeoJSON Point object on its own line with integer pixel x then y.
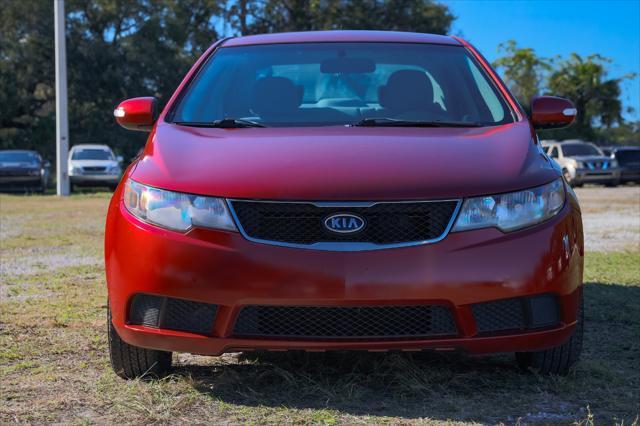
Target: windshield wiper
{"type": "Point", "coordinates": [392, 122]}
{"type": "Point", "coordinates": [225, 123]}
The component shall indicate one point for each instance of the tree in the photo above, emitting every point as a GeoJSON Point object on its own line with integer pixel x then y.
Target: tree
{"type": "Point", "coordinates": [115, 49]}
{"type": "Point", "coordinates": [304, 15]}
{"type": "Point", "coordinates": [118, 49]}
{"type": "Point", "coordinates": [523, 71]}
{"type": "Point", "coordinates": [597, 97]}
{"type": "Point", "coordinates": [582, 80]}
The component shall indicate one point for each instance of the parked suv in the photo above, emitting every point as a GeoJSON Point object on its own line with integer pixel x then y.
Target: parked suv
{"type": "Point", "coordinates": [94, 165]}
{"type": "Point", "coordinates": [343, 190]}
{"type": "Point", "coordinates": [628, 159]}
{"type": "Point", "coordinates": [583, 162]}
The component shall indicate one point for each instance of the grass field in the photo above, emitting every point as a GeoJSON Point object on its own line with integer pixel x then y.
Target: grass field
{"type": "Point", "coordinates": [54, 364]}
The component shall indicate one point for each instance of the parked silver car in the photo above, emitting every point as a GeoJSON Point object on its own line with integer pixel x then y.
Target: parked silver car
{"type": "Point", "coordinates": [583, 162]}
{"type": "Point", "coordinates": [94, 165]}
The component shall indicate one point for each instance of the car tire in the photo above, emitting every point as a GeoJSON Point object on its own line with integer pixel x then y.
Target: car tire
{"type": "Point", "coordinates": [131, 362]}
{"type": "Point", "coordinates": [557, 360]}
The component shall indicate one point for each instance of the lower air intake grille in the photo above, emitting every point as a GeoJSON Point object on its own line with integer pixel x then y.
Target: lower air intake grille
{"type": "Point", "coordinates": [341, 323]}
{"type": "Point", "coordinates": [172, 314]}
{"type": "Point", "coordinates": [521, 313]}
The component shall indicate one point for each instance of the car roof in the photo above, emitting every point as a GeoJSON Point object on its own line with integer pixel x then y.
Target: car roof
{"type": "Point", "coordinates": [342, 36]}
{"type": "Point", "coordinates": [90, 146]}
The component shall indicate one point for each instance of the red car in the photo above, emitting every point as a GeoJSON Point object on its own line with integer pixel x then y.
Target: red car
{"type": "Point", "coordinates": [343, 190]}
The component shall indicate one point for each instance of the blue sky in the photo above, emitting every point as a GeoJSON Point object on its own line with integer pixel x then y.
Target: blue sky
{"type": "Point", "coordinates": [558, 27]}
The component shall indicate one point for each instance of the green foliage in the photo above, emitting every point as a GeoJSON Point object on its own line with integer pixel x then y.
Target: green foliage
{"type": "Point", "coordinates": [584, 80]}
{"type": "Point", "coordinates": [118, 49]}
{"type": "Point", "coordinates": [295, 15]}
{"type": "Point", "coordinates": [523, 71]}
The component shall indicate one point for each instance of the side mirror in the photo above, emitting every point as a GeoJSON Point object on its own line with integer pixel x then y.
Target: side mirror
{"type": "Point", "coordinates": [137, 113]}
{"type": "Point", "coordinates": [549, 112]}
{"type": "Point", "coordinates": [119, 159]}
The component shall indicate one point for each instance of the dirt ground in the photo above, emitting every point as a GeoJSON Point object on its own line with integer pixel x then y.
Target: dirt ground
{"type": "Point", "coordinates": [611, 218]}
{"type": "Point", "coordinates": [54, 366]}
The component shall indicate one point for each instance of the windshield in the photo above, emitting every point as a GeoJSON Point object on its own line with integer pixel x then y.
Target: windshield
{"type": "Point", "coordinates": [18, 157]}
{"type": "Point", "coordinates": [572, 149]}
{"type": "Point", "coordinates": [320, 84]}
{"type": "Point", "coordinates": [92, 154]}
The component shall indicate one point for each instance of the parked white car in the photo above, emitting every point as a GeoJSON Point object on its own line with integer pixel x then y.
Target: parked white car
{"type": "Point", "coordinates": [94, 165]}
{"type": "Point", "coordinates": [583, 162]}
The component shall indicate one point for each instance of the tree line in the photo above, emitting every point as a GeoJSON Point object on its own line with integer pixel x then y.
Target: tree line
{"type": "Point", "coordinates": [118, 49]}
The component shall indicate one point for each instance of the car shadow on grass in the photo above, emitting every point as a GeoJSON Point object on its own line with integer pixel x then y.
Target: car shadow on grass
{"type": "Point", "coordinates": [451, 387]}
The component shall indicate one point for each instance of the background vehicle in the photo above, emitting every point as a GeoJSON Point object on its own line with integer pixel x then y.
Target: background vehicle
{"type": "Point", "coordinates": [628, 158]}
{"type": "Point", "coordinates": [583, 162]}
{"type": "Point", "coordinates": [94, 165]}
{"type": "Point", "coordinates": [22, 170]}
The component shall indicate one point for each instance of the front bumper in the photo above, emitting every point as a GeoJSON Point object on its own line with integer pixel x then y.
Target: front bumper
{"type": "Point", "coordinates": [630, 175]}
{"type": "Point", "coordinates": [597, 176]}
{"type": "Point", "coordinates": [225, 269]}
{"type": "Point", "coordinates": [96, 179]}
{"type": "Point", "coordinates": [20, 183]}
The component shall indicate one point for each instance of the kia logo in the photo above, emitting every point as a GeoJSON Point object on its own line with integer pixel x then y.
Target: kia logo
{"type": "Point", "coordinates": [344, 223]}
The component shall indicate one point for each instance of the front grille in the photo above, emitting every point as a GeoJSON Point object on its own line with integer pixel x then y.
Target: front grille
{"type": "Point", "coordinates": [385, 223]}
{"type": "Point", "coordinates": [597, 165]}
{"type": "Point", "coordinates": [94, 169]}
{"type": "Point", "coordinates": [517, 314]}
{"type": "Point", "coordinates": [172, 314]}
{"type": "Point", "coordinates": [345, 322]}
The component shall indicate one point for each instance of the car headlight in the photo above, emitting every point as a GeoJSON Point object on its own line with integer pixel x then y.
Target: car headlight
{"type": "Point", "coordinates": [175, 210]}
{"type": "Point", "coordinates": [580, 165]}
{"type": "Point", "coordinates": [512, 211]}
{"type": "Point", "coordinates": [114, 170]}
{"type": "Point", "coordinates": [614, 164]}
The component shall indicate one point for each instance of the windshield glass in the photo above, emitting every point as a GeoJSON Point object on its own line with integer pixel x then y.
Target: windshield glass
{"type": "Point", "coordinates": [571, 149]}
{"type": "Point", "coordinates": [18, 157]}
{"type": "Point", "coordinates": [92, 154]}
{"type": "Point", "coordinates": [320, 84]}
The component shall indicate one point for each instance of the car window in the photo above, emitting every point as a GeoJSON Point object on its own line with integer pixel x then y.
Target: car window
{"type": "Point", "coordinates": [92, 154]}
{"type": "Point", "coordinates": [573, 149]}
{"type": "Point", "coordinates": [18, 157]}
{"type": "Point", "coordinates": [311, 84]}
{"type": "Point", "coordinates": [553, 152]}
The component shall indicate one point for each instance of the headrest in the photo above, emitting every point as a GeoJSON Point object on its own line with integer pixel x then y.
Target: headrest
{"type": "Point", "coordinates": [406, 90]}
{"type": "Point", "coordinates": [275, 96]}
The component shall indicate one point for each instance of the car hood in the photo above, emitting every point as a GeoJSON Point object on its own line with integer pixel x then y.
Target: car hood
{"type": "Point", "coordinates": [93, 163]}
{"type": "Point", "coordinates": [343, 163]}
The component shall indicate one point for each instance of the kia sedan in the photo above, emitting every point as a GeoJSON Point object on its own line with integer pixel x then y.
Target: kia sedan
{"type": "Point", "coordinates": [343, 190]}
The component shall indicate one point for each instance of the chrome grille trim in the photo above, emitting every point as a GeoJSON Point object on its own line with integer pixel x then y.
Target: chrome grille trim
{"type": "Point", "coordinates": [346, 245]}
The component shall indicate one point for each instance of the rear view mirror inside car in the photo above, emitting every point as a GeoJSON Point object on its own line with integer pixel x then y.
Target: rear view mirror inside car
{"type": "Point", "coordinates": [347, 66]}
